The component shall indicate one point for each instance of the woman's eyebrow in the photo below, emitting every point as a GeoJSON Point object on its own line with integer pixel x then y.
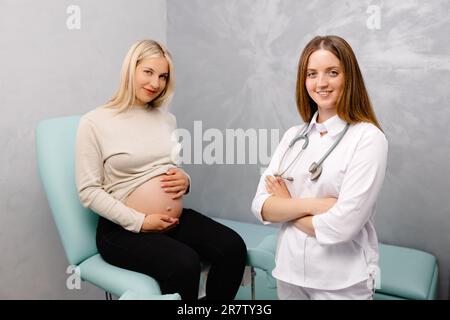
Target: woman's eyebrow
{"type": "Point", "coordinates": [327, 68]}
{"type": "Point", "coordinates": [152, 70]}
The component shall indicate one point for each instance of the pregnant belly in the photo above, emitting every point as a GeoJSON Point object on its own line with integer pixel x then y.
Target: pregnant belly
{"type": "Point", "coordinates": [150, 198]}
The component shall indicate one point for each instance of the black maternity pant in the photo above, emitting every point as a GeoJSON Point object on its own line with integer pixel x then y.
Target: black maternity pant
{"type": "Point", "coordinates": [173, 257]}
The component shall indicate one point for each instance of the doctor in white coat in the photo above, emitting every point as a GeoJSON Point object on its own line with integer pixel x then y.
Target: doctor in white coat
{"type": "Point", "coordinates": [323, 181]}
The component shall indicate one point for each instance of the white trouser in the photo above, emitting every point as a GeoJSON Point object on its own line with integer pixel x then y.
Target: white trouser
{"type": "Point", "coordinates": [359, 291]}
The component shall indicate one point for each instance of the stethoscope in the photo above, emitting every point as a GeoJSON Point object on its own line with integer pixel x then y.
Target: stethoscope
{"type": "Point", "coordinates": [315, 169]}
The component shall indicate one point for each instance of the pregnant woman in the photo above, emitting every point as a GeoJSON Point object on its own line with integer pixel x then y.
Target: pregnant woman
{"type": "Point", "coordinates": [127, 172]}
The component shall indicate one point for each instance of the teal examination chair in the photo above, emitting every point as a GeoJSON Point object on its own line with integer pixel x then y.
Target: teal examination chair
{"type": "Point", "coordinates": [55, 143]}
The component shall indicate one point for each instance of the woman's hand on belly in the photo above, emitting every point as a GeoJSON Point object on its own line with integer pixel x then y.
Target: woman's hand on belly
{"type": "Point", "coordinates": [158, 223]}
{"type": "Point", "coordinates": [175, 181]}
{"type": "Point", "coordinates": [150, 198]}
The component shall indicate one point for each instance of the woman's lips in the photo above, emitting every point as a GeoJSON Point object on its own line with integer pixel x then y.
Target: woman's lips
{"type": "Point", "coordinates": [150, 92]}
{"type": "Point", "coordinates": [324, 93]}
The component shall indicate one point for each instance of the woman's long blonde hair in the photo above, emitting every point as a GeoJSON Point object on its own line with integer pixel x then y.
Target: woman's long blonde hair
{"type": "Point", "coordinates": [354, 105]}
{"type": "Point", "coordinates": [125, 96]}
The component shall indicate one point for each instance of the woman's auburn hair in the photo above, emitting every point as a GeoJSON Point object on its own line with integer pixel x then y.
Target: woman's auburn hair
{"type": "Point", "coordinates": [354, 105]}
{"type": "Point", "coordinates": [125, 97]}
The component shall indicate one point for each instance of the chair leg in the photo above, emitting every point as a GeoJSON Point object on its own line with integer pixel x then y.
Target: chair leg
{"type": "Point", "coordinates": [253, 273]}
{"type": "Point", "coordinates": [108, 295]}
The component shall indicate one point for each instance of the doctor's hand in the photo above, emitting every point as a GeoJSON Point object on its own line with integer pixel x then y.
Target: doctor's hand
{"type": "Point", "coordinates": [175, 181]}
{"type": "Point", "coordinates": [158, 223]}
{"type": "Point", "coordinates": [305, 224]}
{"type": "Point", "coordinates": [277, 187]}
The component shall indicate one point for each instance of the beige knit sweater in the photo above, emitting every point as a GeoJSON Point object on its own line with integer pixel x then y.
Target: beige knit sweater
{"type": "Point", "coordinates": [116, 153]}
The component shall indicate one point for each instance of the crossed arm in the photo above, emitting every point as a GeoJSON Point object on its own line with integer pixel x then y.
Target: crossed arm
{"type": "Point", "coordinates": [281, 207]}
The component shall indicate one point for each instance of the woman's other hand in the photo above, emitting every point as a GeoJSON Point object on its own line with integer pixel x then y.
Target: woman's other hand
{"type": "Point", "coordinates": [322, 205]}
{"type": "Point", "coordinates": [158, 223]}
{"type": "Point", "coordinates": [277, 187]}
{"type": "Point", "coordinates": [175, 181]}
{"type": "Point", "coordinates": [305, 224]}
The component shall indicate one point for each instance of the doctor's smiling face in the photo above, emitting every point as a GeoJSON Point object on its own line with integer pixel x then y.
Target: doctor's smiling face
{"type": "Point", "coordinates": [324, 82]}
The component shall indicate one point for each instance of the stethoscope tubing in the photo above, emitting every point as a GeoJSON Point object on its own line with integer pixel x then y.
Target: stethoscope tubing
{"type": "Point", "coordinates": [316, 167]}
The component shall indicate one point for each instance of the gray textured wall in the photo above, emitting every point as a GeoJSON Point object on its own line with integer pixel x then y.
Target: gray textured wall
{"type": "Point", "coordinates": [236, 65]}
{"type": "Point", "coordinates": [48, 70]}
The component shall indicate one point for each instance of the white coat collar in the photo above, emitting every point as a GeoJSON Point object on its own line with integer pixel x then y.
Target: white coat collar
{"type": "Point", "coordinates": [333, 126]}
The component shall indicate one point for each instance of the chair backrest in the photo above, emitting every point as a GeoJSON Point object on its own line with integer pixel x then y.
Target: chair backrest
{"type": "Point", "coordinates": [55, 146]}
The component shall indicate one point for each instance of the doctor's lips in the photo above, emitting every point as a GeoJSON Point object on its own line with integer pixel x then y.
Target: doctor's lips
{"type": "Point", "coordinates": [324, 93]}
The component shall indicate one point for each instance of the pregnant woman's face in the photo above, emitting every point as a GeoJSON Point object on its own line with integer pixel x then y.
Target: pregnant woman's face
{"type": "Point", "coordinates": [150, 79]}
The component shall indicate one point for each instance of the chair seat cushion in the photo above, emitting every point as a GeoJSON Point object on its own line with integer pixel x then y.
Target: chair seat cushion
{"type": "Point", "coordinates": [131, 295]}
{"type": "Point", "coordinates": [117, 280]}
{"type": "Point", "coordinates": [406, 272]}
{"type": "Point", "coordinates": [260, 241]}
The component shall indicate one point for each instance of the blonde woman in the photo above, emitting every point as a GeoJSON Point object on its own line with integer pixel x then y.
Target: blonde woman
{"type": "Point", "coordinates": [127, 171]}
{"type": "Point", "coordinates": [323, 181]}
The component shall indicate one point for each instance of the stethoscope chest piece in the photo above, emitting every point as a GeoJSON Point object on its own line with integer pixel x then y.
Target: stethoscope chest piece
{"type": "Point", "coordinates": [316, 167]}
{"type": "Point", "coordinates": [315, 170]}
